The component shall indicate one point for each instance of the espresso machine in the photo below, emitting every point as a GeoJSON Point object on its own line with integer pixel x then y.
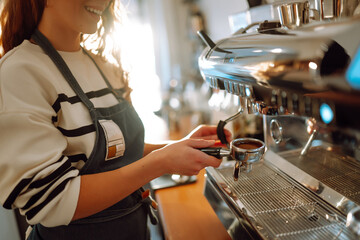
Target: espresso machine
{"type": "Point", "coordinates": [300, 70]}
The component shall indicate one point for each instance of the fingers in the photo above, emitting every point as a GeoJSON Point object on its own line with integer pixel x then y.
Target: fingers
{"type": "Point", "coordinates": [208, 137]}
{"type": "Point", "coordinates": [199, 162]}
{"type": "Point", "coordinates": [212, 162]}
{"type": "Point", "coordinates": [205, 159]}
{"type": "Point", "coordinates": [201, 157]}
{"type": "Point", "coordinates": [208, 132]}
{"type": "Point", "coordinates": [188, 159]}
{"type": "Point", "coordinates": [227, 132]}
{"type": "Point", "coordinates": [199, 143]}
{"type": "Point", "coordinates": [203, 130]}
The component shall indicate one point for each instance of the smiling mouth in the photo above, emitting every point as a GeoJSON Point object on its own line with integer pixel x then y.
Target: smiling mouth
{"type": "Point", "coordinates": [93, 10]}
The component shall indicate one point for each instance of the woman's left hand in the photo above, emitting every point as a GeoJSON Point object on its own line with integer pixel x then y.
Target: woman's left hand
{"type": "Point", "coordinates": [207, 132]}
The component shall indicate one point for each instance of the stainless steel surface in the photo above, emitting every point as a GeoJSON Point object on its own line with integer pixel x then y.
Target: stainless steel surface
{"type": "Point", "coordinates": [294, 196]}
{"type": "Point", "coordinates": [332, 9]}
{"type": "Point", "coordinates": [297, 77]}
{"type": "Point", "coordinates": [246, 151]}
{"type": "Point", "coordinates": [332, 169]}
{"type": "Point", "coordinates": [276, 131]}
{"type": "Point", "coordinates": [284, 59]}
{"type": "Point", "coordinates": [167, 180]}
{"type": "Point", "coordinates": [328, 167]}
{"type": "Point", "coordinates": [180, 178]}
{"type": "Point", "coordinates": [276, 206]}
{"type": "Point", "coordinates": [294, 14]}
{"type": "Point", "coordinates": [307, 146]}
{"type": "Point", "coordinates": [353, 221]}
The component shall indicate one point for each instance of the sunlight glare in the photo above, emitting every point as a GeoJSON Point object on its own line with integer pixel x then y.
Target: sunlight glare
{"type": "Point", "coordinates": [138, 57]}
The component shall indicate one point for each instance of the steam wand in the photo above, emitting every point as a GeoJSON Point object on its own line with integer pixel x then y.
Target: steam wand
{"type": "Point", "coordinates": [207, 40]}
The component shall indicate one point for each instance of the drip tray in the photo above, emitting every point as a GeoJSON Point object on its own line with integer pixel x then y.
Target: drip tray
{"type": "Point", "coordinates": [278, 206]}
{"type": "Point", "coordinates": [339, 172]}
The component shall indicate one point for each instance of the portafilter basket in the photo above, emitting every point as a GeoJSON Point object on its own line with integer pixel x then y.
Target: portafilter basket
{"type": "Point", "coordinates": [245, 151]}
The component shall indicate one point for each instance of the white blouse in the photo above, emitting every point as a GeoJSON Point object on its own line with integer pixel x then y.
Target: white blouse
{"type": "Point", "coordinates": [46, 132]}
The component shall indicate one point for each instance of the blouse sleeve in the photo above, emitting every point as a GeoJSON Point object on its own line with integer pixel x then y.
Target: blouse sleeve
{"type": "Point", "coordinates": [35, 175]}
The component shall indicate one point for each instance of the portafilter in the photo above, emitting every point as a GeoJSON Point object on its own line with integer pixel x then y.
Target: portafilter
{"type": "Point", "coordinates": [245, 151]}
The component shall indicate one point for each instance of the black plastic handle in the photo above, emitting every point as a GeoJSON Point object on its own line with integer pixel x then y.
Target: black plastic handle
{"type": "Point", "coordinates": [221, 125]}
{"type": "Point", "coordinates": [215, 152]}
{"type": "Point", "coordinates": [220, 132]}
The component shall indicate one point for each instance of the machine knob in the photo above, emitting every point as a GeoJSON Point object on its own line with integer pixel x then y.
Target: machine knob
{"type": "Point", "coordinates": [262, 108]}
{"type": "Point", "coordinates": [284, 99]}
{"type": "Point", "coordinates": [295, 103]}
{"type": "Point", "coordinates": [308, 107]}
{"type": "Point", "coordinates": [353, 221]}
{"type": "Point", "coordinates": [274, 98]}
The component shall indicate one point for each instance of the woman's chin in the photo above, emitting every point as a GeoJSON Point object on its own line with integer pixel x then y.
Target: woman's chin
{"type": "Point", "coordinates": [89, 30]}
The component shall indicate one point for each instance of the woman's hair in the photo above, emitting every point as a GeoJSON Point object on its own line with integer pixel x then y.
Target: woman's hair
{"type": "Point", "coordinates": [19, 19]}
{"type": "Point", "coordinates": [103, 42]}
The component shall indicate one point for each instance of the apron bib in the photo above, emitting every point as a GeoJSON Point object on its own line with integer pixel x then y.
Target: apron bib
{"type": "Point", "coordinates": [116, 127]}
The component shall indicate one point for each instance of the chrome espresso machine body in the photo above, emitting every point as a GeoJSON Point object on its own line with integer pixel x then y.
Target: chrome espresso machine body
{"type": "Point", "coordinates": [302, 74]}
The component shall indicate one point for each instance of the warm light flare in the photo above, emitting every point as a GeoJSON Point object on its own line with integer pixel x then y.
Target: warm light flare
{"type": "Point", "coordinates": [277, 50]}
{"type": "Point", "coordinates": [313, 65]}
{"type": "Point", "coordinates": [138, 58]}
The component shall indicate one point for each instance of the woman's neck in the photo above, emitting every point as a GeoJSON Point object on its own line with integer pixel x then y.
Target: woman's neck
{"type": "Point", "coordinates": [62, 39]}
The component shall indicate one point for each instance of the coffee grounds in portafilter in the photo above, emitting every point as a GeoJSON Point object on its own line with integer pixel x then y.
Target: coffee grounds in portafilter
{"type": "Point", "coordinates": [248, 145]}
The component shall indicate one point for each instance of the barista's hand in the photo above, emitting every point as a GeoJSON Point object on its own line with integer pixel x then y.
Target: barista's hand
{"type": "Point", "coordinates": [184, 157]}
{"type": "Point", "coordinates": [207, 132]}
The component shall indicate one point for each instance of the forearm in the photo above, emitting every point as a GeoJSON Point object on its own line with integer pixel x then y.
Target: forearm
{"type": "Point", "coordinates": [151, 147]}
{"type": "Point", "coordinates": [102, 190]}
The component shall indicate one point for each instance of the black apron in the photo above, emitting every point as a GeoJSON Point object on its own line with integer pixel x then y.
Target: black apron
{"type": "Point", "coordinates": [127, 219]}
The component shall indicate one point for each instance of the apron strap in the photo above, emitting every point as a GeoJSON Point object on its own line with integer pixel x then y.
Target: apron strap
{"type": "Point", "coordinates": [98, 68]}
{"type": "Point", "coordinates": [118, 93]}
{"type": "Point", "coordinates": [47, 47]}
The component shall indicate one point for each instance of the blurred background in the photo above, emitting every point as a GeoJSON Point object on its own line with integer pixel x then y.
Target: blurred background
{"type": "Point", "coordinates": [162, 52]}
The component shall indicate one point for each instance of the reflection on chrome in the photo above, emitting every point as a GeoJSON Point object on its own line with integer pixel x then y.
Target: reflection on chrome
{"type": "Point", "coordinates": [303, 78]}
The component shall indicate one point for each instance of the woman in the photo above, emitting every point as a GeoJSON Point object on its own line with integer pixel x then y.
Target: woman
{"type": "Point", "coordinates": [73, 158]}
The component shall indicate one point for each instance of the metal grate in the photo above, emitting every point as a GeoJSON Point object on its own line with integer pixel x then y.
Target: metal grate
{"type": "Point", "coordinates": [285, 209]}
{"type": "Point", "coordinates": [334, 170]}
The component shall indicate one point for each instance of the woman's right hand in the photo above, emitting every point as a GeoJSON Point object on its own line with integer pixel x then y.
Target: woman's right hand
{"type": "Point", "coordinates": [184, 157]}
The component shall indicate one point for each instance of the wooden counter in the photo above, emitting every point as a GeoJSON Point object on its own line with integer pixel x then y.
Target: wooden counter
{"type": "Point", "coordinates": [186, 214]}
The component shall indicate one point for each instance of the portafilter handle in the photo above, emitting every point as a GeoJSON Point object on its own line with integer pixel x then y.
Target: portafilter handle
{"type": "Point", "coordinates": [220, 153]}
{"type": "Point", "coordinates": [217, 152]}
